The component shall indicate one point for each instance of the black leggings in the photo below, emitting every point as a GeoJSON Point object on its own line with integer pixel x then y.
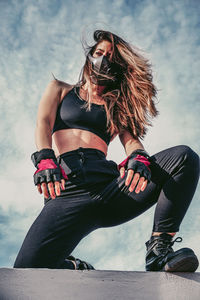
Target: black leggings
{"type": "Point", "coordinates": [96, 196]}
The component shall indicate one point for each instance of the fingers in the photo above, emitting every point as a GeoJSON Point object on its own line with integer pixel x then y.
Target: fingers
{"type": "Point", "coordinates": [45, 190]}
{"type": "Point", "coordinates": [122, 172]}
{"type": "Point", "coordinates": [139, 185]}
{"type": "Point", "coordinates": [51, 189]}
{"type": "Point", "coordinates": [57, 188]}
{"type": "Point", "coordinates": [63, 184]}
{"type": "Point", "coordinates": [144, 185]}
{"type": "Point", "coordinates": [39, 188]}
{"type": "Point", "coordinates": [129, 177]}
{"type": "Point", "coordinates": [135, 181]}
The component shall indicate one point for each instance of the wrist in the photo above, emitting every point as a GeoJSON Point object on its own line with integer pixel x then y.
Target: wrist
{"type": "Point", "coordinates": [141, 152]}
{"type": "Point", "coordinates": [45, 153]}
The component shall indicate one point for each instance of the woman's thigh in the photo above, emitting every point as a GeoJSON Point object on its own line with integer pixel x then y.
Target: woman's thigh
{"type": "Point", "coordinates": [57, 230]}
{"type": "Point", "coordinates": [118, 205]}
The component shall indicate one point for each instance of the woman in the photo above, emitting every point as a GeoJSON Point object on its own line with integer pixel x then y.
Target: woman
{"type": "Point", "coordinates": [83, 190]}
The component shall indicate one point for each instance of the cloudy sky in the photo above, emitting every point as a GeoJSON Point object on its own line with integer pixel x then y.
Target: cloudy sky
{"type": "Point", "coordinates": [41, 37]}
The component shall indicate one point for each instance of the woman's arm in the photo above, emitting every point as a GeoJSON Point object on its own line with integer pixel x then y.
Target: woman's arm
{"type": "Point", "coordinates": [47, 109]}
{"type": "Point", "coordinates": [134, 179]}
{"type": "Point", "coordinates": [130, 144]}
{"type": "Point", "coordinates": [46, 115]}
{"type": "Point", "coordinates": [45, 159]}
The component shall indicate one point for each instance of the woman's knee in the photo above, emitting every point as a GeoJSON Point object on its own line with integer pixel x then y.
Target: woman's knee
{"type": "Point", "coordinates": [189, 154]}
{"type": "Point", "coordinates": [190, 159]}
{"type": "Point", "coordinates": [19, 266]}
{"type": "Point", "coordinates": [23, 261]}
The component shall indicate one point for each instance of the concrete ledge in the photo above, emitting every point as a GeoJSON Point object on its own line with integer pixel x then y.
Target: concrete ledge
{"type": "Point", "coordinates": [23, 284]}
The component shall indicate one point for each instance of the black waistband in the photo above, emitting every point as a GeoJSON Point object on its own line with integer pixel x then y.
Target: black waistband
{"type": "Point", "coordinates": [83, 151]}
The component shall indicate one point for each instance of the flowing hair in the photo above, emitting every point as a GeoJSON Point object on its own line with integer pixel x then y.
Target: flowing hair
{"type": "Point", "coordinates": [129, 101]}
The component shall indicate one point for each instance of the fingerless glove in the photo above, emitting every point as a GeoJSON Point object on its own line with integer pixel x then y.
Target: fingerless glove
{"type": "Point", "coordinates": [47, 166]}
{"type": "Point", "coordinates": [137, 161]}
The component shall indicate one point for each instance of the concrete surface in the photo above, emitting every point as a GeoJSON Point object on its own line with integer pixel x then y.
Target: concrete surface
{"type": "Point", "coordinates": [23, 284]}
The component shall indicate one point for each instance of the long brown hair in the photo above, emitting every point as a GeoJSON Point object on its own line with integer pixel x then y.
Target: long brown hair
{"type": "Point", "coordinates": [129, 102]}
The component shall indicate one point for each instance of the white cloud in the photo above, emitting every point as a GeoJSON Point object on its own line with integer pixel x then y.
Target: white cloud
{"type": "Point", "coordinates": [39, 38]}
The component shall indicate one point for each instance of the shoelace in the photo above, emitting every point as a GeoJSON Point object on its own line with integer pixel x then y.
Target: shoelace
{"type": "Point", "coordinates": [80, 264]}
{"type": "Point", "coordinates": [165, 246]}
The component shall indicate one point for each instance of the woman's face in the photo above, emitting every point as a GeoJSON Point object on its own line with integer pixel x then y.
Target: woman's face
{"type": "Point", "coordinates": [103, 48]}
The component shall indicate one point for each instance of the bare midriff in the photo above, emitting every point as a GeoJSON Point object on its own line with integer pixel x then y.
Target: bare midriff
{"type": "Point", "coordinates": [66, 140]}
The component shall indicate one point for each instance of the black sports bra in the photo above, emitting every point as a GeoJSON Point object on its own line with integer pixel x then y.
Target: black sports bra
{"type": "Point", "coordinates": [72, 114]}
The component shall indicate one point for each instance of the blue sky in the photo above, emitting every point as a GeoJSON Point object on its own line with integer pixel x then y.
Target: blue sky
{"type": "Point", "coordinates": [40, 37]}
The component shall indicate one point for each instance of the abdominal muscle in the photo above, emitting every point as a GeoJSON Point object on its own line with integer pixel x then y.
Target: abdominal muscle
{"type": "Point", "coordinates": [66, 140]}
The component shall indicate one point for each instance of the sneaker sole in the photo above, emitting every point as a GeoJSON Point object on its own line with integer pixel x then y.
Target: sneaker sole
{"type": "Point", "coordinates": [182, 263]}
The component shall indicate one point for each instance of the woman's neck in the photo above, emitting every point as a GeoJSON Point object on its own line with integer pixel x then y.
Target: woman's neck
{"type": "Point", "coordinates": [92, 90]}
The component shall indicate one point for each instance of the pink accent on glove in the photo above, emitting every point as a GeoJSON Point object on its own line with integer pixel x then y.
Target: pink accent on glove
{"type": "Point", "coordinates": [143, 159]}
{"type": "Point", "coordinates": [123, 163]}
{"type": "Point", "coordinates": [48, 163]}
{"type": "Point", "coordinates": [140, 158]}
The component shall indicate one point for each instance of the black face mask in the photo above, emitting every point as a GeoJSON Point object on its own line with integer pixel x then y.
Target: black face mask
{"type": "Point", "coordinates": [102, 65]}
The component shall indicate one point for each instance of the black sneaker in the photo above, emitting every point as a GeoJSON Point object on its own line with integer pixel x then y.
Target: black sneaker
{"type": "Point", "coordinates": [80, 264]}
{"type": "Point", "coordinates": [161, 257]}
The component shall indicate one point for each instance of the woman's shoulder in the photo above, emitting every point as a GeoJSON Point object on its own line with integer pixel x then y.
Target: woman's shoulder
{"type": "Point", "coordinates": [60, 87]}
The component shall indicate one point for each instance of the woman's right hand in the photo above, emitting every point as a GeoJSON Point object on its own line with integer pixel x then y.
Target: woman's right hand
{"type": "Point", "coordinates": [49, 178]}
{"type": "Point", "coordinates": [52, 189]}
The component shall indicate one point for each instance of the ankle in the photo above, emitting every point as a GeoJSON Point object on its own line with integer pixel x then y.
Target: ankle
{"type": "Point", "coordinates": [159, 233]}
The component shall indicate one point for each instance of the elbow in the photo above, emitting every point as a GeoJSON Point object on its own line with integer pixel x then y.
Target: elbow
{"type": "Point", "coordinates": [44, 127]}
{"type": "Point", "coordinates": [42, 123]}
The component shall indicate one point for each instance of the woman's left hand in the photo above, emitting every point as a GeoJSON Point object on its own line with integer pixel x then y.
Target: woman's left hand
{"type": "Point", "coordinates": [138, 171]}
{"type": "Point", "coordinates": [135, 179]}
